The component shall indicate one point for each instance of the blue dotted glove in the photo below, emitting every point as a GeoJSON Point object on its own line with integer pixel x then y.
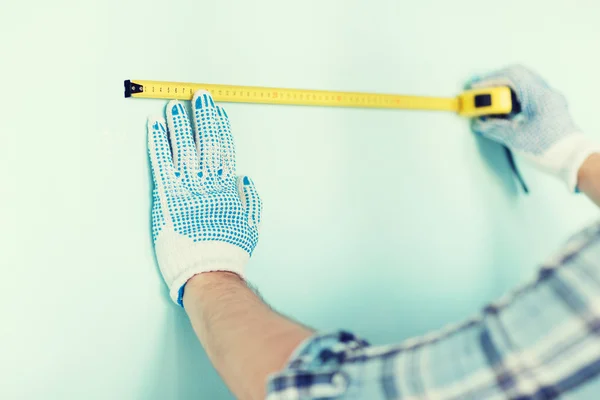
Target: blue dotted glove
{"type": "Point", "coordinates": [204, 218]}
{"type": "Point", "coordinates": [543, 131]}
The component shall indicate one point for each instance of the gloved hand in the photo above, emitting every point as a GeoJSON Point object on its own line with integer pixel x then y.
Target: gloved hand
{"type": "Point", "coordinates": [204, 218]}
{"type": "Point", "coordinates": [543, 131]}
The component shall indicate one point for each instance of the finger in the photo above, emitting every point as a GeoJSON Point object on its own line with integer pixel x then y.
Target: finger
{"type": "Point", "coordinates": [503, 77]}
{"type": "Point", "coordinates": [490, 80]}
{"type": "Point", "coordinates": [250, 200]}
{"type": "Point", "coordinates": [159, 149]}
{"type": "Point", "coordinates": [487, 80]}
{"type": "Point", "coordinates": [490, 127]}
{"type": "Point", "coordinates": [185, 158]}
{"type": "Point", "coordinates": [227, 143]}
{"type": "Point", "coordinates": [517, 77]}
{"type": "Point", "coordinates": [207, 136]}
{"type": "Point", "coordinates": [472, 81]}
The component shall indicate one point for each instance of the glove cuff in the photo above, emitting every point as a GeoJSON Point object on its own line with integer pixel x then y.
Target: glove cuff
{"type": "Point", "coordinates": [576, 149]}
{"type": "Point", "coordinates": [180, 258]}
{"type": "Point", "coordinates": [565, 157]}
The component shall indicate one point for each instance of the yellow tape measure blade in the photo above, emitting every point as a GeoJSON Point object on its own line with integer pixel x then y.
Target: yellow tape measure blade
{"type": "Point", "coordinates": [471, 103]}
{"type": "Point", "coordinates": [265, 95]}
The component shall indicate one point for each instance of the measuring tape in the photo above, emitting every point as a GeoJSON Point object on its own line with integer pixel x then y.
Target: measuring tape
{"type": "Point", "coordinates": [471, 103]}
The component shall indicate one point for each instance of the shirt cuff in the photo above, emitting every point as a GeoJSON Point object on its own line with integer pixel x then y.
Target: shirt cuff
{"type": "Point", "coordinates": [324, 349]}
{"type": "Point", "coordinates": [314, 367]}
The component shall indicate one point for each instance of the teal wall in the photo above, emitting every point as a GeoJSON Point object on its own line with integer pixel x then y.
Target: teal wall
{"type": "Point", "coordinates": [387, 223]}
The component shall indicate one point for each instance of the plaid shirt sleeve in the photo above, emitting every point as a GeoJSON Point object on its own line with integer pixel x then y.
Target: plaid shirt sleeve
{"type": "Point", "coordinates": [541, 341]}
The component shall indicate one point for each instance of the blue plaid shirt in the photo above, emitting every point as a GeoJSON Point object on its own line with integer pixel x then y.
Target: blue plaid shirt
{"type": "Point", "coordinates": [542, 341]}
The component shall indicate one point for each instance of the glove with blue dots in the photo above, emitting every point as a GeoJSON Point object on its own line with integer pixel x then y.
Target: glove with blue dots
{"type": "Point", "coordinates": [543, 131]}
{"type": "Point", "coordinates": [204, 218]}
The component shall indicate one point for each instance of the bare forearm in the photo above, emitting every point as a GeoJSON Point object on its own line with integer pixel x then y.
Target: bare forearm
{"type": "Point", "coordinates": [589, 178]}
{"type": "Point", "coordinates": [244, 338]}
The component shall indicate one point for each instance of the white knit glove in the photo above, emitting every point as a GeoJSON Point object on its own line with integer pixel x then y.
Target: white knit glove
{"type": "Point", "coordinates": [543, 131]}
{"type": "Point", "coordinates": [204, 218]}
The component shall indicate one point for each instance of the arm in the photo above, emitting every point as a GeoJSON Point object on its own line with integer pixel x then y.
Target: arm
{"type": "Point", "coordinates": [245, 340]}
{"type": "Point", "coordinates": [589, 178]}
{"type": "Point", "coordinates": [537, 342]}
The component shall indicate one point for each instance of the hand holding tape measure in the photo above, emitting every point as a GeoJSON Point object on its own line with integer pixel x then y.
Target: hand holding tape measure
{"type": "Point", "coordinates": [513, 106]}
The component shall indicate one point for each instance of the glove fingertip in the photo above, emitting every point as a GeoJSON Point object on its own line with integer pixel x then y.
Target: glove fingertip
{"type": "Point", "coordinates": [250, 199]}
{"type": "Point", "coordinates": [175, 108]}
{"type": "Point", "coordinates": [157, 132]}
{"type": "Point", "coordinates": [473, 80]}
{"type": "Point", "coordinates": [156, 122]}
{"type": "Point", "coordinates": [203, 99]}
